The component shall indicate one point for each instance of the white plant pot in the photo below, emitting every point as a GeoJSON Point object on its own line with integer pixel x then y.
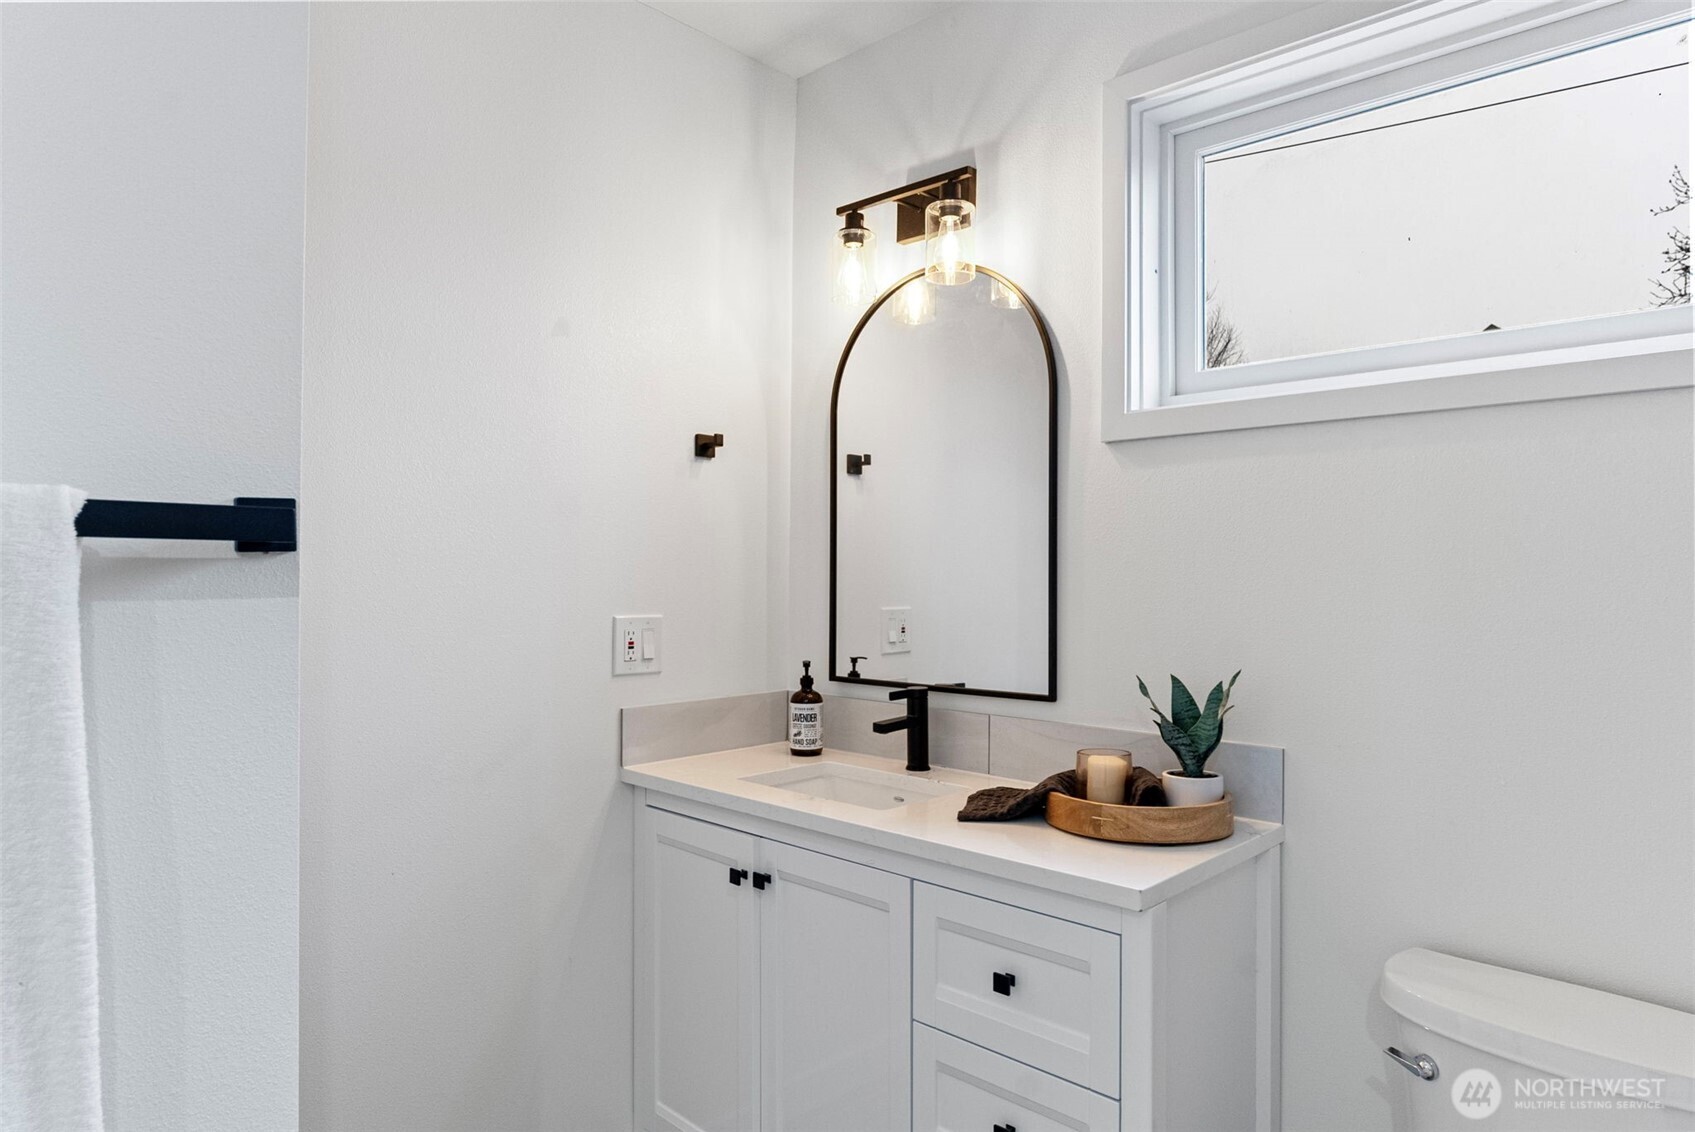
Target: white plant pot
{"type": "Point", "coordinates": [1181, 791]}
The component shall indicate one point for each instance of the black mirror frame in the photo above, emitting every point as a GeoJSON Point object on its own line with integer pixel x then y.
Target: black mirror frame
{"type": "Point", "coordinates": [1053, 500]}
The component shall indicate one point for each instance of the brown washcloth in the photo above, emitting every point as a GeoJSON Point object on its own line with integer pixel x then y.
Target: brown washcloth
{"type": "Point", "coordinates": [1144, 788]}
{"type": "Point", "coordinates": [1005, 803]}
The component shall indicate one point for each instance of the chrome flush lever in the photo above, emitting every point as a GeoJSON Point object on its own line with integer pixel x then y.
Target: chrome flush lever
{"type": "Point", "coordinates": [1420, 1065]}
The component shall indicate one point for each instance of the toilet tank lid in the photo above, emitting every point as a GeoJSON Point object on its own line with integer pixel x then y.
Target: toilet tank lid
{"type": "Point", "coordinates": [1557, 1028]}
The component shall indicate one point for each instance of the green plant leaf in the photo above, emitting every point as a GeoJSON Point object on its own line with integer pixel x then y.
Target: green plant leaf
{"type": "Point", "coordinates": [1176, 738]}
{"type": "Point", "coordinates": [1183, 709]}
{"type": "Point", "coordinates": [1215, 698]}
{"type": "Point", "coordinates": [1160, 715]}
{"type": "Point", "coordinates": [1205, 735]}
{"type": "Point", "coordinates": [1183, 747]}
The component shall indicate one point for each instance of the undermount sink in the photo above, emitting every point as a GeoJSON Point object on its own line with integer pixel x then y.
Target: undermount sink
{"type": "Point", "coordinates": [855, 785]}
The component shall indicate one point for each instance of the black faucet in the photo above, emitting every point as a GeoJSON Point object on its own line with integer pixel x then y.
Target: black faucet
{"type": "Point", "coordinates": [916, 724]}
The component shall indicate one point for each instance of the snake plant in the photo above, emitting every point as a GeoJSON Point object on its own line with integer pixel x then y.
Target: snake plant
{"type": "Point", "coordinates": [1192, 732]}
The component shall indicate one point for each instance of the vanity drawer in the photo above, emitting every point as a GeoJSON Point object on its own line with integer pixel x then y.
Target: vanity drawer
{"type": "Point", "coordinates": [1036, 988]}
{"type": "Point", "coordinates": [956, 1085]}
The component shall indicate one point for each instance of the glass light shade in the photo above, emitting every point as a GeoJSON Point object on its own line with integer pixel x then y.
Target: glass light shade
{"type": "Point", "coordinates": [950, 242]}
{"type": "Point", "coordinates": [914, 304]}
{"type": "Point", "coordinates": [1004, 296]}
{"type": "Point", "coordinates": [854, 268]}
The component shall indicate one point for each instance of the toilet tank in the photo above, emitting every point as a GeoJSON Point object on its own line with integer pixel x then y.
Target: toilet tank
{"type": "Point", "coordinates": [1518, 1051]}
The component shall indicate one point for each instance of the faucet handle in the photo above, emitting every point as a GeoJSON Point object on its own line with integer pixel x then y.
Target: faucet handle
{"type": "Point", "coordinates": [916, 692]}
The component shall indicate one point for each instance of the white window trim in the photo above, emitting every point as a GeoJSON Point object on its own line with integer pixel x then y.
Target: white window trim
{"type": "Point", "coordinates": [1292, 58]}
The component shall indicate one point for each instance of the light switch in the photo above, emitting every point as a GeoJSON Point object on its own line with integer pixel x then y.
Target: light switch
{"type": "Point", "coordinates": [635, 645]}
{"type": "Point", "coordinates": [897, 635]}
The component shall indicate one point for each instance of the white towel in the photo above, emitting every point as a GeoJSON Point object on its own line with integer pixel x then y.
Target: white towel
{"type": "Point", "coordinates": [50, 1002]}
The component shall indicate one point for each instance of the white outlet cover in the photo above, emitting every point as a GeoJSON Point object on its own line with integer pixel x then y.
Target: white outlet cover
{"type": "Point", "coordinates": [897, 629]}
{"type": "Point", "coordinates": [636, 644]}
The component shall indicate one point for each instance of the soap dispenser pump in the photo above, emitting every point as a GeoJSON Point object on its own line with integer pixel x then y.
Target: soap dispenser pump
{"type": "Point", "coordinates": [806, 716]}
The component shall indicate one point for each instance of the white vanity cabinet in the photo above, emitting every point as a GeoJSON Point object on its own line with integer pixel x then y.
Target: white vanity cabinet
{"type": "Point", "coordinates": [773, 985]}
{"type": "Point", "coordinates": [902, 971]}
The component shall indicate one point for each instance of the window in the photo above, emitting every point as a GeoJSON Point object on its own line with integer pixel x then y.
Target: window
{"type": "Point", "coordinates": [1453, 204]}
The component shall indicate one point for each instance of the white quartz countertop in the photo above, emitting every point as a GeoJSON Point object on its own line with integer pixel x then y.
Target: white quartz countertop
{"type": "Point", "coordinates": [1027, 850]}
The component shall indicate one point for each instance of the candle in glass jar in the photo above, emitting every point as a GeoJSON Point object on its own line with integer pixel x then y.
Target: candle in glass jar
{"type": "Point", "coordinates": [1103, 778]}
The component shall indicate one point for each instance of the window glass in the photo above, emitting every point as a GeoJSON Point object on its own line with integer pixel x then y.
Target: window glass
{"type": "Point", "coordinates": [1549, 192]}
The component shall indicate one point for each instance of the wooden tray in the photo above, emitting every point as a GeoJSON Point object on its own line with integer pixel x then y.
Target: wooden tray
{"type": "Point", "coordinates": [1145, 825]}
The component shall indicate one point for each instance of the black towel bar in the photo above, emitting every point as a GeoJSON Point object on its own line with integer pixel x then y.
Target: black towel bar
{"type": "Point", "coordinates": [253, 523]}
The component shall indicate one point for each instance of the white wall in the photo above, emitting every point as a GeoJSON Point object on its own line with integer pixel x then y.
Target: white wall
{"type": "Point", "coordinates": [153, 174]}
{"type": "Point", "coordinates": [546, 244]}
{"type": "Point", "coordinates": [1461, 625]}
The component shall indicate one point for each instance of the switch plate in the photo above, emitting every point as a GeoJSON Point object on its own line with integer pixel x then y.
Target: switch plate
{"type": "Point", "coordinates": [635, 645]}
{"type": "Point", "coordinates": [897, 626]}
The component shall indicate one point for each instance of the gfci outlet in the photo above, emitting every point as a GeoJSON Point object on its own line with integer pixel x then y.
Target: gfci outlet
{"type": "Point", "coordinates": [635, 645]}
{"type": "Point", "coordinates": [897, 629]}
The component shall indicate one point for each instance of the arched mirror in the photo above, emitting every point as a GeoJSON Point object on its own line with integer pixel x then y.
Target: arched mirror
{"type": "Point", "coordinates": [944, 493]}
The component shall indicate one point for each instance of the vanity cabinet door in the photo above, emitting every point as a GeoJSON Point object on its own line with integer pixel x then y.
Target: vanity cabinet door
{"type": "Point", "coordinates": [697, 982]}
{"type": "Point", "coordinates": [835, 995]}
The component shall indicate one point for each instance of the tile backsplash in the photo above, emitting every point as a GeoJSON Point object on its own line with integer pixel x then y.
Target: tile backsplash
{"type": "Point", "coordinates": [698, 727]}
{"type": "Point", "coordinates": [1003, 745]}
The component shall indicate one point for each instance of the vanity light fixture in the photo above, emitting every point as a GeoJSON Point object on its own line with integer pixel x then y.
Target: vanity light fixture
{"type": "Point", "coordinates": [855, 266]}
{"type": "Point", "coordinates": [939, 210]}
{"type": "Point", "coordinates": [950, 241]}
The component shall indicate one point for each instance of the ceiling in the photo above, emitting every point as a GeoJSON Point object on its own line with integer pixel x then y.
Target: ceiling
{"type": "Point", "coordinates": [798, 36]}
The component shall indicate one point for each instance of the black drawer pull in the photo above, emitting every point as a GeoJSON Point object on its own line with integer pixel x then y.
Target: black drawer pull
{"type": "Point", "coordinates": [737, 876]}
{"type": "Point", "coordinates": [1005, 1128]}
{"type": "Point", "coordinates": [1004, 982]}
{"type": "Point", "coordinates": [760, 880]}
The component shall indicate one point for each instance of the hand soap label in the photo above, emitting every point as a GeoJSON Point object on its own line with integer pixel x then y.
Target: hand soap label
{"type": "Point", "coordinates": [806, 727]}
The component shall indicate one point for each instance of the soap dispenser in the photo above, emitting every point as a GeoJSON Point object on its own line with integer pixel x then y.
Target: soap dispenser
{"type": "Point", "coordinates": [806, 716]}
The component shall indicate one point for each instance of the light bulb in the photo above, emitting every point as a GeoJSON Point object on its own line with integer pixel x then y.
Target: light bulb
{"type": "Point", "coordinates": [914, 304]}
{"type": "Point", "coordinates": [950, 242]}
{"type": "Point", "coordinates": [855, 263]}
{"type": "Point", "coordinates": [1004, 295]}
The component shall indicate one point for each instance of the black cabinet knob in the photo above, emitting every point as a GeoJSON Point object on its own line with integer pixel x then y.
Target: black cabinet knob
{"type": "Point", "coordinates": [760, 880]}
{"type": "Point", "coordinates": [1004, 982]}
{"type": "Point", "coordinates": [1005, 1128]}
{"type": "Point", "coordinates": [737, 876]}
